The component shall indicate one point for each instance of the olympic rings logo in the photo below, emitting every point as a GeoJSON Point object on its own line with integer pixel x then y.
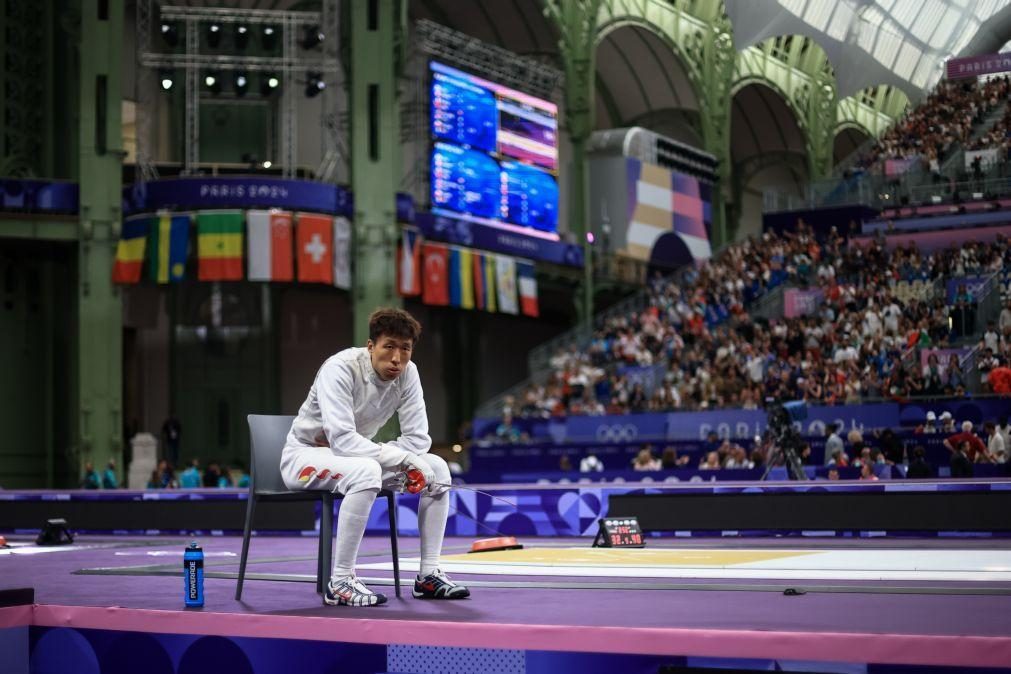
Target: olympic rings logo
{"type": "Point", "coordinates": [617, 433]}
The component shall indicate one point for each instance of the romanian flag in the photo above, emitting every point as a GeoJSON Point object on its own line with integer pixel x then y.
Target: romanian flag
{"type": "Point", "coordinates": [130, 250]}
{"type": "Point", "coordinates": [270, 246]}
{"type": "Point", "coordinates": [219, 245]}
{"type": "Point", "coordinates": [461, 279]}
{"type": "Point", "coordinates": [168, 238]}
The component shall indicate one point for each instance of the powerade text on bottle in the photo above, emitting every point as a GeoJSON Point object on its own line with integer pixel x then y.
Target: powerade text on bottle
{"type": "Point", "coordinates": [193, 575]}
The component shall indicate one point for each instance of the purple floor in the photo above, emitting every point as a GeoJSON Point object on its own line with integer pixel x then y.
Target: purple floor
{"type": "Point", "coordinates": [52, 575]}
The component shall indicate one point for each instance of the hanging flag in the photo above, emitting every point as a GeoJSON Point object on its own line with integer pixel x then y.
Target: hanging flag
{"type": "Point", "coordinates": [505, 277]}
{"type": "Point", "coordinates": [313, 242]}
{"type": "Point", "coordinates": [269, 236]}
{"type": "Point", "coordinates": [461, 278]}
{"type": "Point", "coordinates": [491, 301]}
{"type": "Point", "coordinates": [219, 245]}
{"type": "Point", "coordinates": [169, 238]}
{"type": "Point", "coordinates": [409, 267]}
{"type": "Point", "coordinates": [528, 288]}
{"type": "Point", "coordinates": [342, 252]}
{"type": "Point", "coordinates": [436, 260]}
{"type": "Point", "coordinates": [130, 250]}
{"type": "Point", "coordinates": [480, 294]}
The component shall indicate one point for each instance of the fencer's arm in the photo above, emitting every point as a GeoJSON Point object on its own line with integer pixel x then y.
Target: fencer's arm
{"type": "Point", "coordinates": [413, 415]}
{"type": "Point", "coordinates": [334, 390]}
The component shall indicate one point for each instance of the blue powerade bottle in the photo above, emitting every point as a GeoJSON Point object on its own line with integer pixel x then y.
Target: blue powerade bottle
{"type": "Point", "coordinates": [193, 575]}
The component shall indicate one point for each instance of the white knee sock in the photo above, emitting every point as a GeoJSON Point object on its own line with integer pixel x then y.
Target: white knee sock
{"type": "Point", "coordinates": [354, 514]}
{"type": "Point", "coordinates": [432, 514]}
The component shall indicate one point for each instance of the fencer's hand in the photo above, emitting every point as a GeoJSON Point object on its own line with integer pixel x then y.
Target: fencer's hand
{"type": "Point", "coordinates": [416, 462]}
{"type": "Point", "coordinates": [392, 457]}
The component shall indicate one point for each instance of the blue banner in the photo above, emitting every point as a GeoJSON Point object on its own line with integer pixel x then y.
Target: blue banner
{"type": "Point", "coordinates": [616, 428]}
{"type": "Point", "coordinates": [488, 237]}
{"type": "Point", "coordinates": [38, 196]}
{"type": "Point", "coordinates": [248, 192]}
{"type": "Point", "coordinates": [973, 285]}
{"type": "Point", "coordinates": [738, 423]}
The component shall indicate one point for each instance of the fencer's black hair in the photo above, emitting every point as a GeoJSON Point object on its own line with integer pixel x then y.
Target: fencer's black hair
{"type": "Point", "coordinates": [393, 322]}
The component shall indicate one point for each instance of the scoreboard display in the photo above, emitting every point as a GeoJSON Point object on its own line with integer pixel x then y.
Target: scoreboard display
{"type": "Point", "coordinates": [619, 532]}
{"type": "Point", "coordinates": [494, 154]}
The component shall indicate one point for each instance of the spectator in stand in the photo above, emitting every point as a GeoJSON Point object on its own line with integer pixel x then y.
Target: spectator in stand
{"type": "Point", "coordinates": [645, 461]}
{"type": "Point", "coordinates": [919, 469]}
{"type": "Point", "coordinates": [1005, 432]}
{"type": "Point", "coordinates": [961, 464]}
{"type": "Point", "coordinates": [947, 423]}
{"type": "Point", "coordinates": [166, 475]}
{"type": "Point", "coordinates": [867, 472]}
{"type": "Point", "coordinates": [891, 447]}
{"type": "Point", "coordinates": [929, 427]}
{"type": "Point", "coordinates": [995, 443]}
{"type": "Point", "coordinates": [670, 460]}
{"type": "Point", "coordinates": [710, 462]}
{"type": "Point", "coordinates": [974, 451]}
{"type": "Point", "coordinates": [591, 463]}
{"type": "Point", "coordinates": [1004, 322]}
{"type": "Point", "coordinates": [739, 458]}
{"type": "Point", "coordinates": [834, 443]}
{"type": "Point", "coordinates": [212, 475]}
{"type": "Point", "coordinates": [565, 463]}
{"type": "Point", "coordinates": [833, 474]}
{"type": "Point", "coordinates": [506, 432]}
{"type": "Point", "coordinates": [109, 478]}
{"type": "Point", "coordinates": [90, 479]}
{"type": "Point", "coordinates": [190, 478]}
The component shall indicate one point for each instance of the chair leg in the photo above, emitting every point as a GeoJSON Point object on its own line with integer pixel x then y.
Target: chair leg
{"type": "Point", "coordinates": [247, 532]}
{"type": "Point", "coordinates": [325, 543]}
{"type": "Point", "coordinates": [391, 498]}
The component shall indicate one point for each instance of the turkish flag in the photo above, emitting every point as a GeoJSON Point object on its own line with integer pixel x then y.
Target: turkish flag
{"type": "Point", "coordinates": [314, 248]}
{"type": "Point", "coordinates": [436, 274]}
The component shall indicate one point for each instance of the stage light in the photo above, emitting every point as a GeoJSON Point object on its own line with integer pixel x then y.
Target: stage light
{"type": "Point", "coordinates": [212, 82]}
{"type": "Point", "coordinates": [589, 238]}
{"type": "Point", "coordinates": [269, 38]}
{"type": "Point", "coordinates": [241, 36]}
{"type": "Point", "coordinates": [213, 35]}
{"type": "Point", "coordinates": [312, 37]}
{"type": "Point", "coordinates": [166, 79]}
{"type": "Point", "coordinates": [267, 164]}
{"type": "Point", "coordinates": [269, 84]}
{"type": "Point", "coordinates": [314, 85]}
{"type": "Point", "coordinates": [169, 33]}
{"type": "Point", "coordinates": [241, 84]}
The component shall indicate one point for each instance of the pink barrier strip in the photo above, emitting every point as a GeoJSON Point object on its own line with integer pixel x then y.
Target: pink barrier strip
{"type": "Point", "coordinates": [16, 616]}
{"type": "Point", "coordinates": [913, 649]}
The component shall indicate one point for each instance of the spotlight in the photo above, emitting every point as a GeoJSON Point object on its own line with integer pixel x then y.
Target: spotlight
{"type": "Point", "coordinates": [241, 84]}
{"type": "Point", "coordinates": [312, 37]}
{"type": "Point", "coordinates": [315, 84]}
{"type": "Point", "coordinates": [166, 79]}
{"type": "Point", "coordinates": [241, 36]}
{"type": "Point", "coordinates": [212, 82]}
{"type": "Point", "coordinates": [214, 35]}
{"type": "Point", "coordinates": [269, 38]}
{"type": "Point", "coordinates": [269, 84]}
{"type": "Point", "coordinates": [169, 33]}
{"type": "Point", "coordinates": [267, 164]}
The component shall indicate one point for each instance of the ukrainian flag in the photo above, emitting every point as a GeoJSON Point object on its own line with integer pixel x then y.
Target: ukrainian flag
{"type": "Point", "coordinates": [219, 245]}
{"type": "Point", "coordinates": [130, 250]}
{"type": "Point", "coordinates": [461, 278]}
{"type": "Point", "coordinates": [169, 240]}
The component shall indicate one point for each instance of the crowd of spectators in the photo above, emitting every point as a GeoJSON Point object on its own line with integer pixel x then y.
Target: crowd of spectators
{"type": "Point", "coordinates": [696, 347]}
{"type": "Point", "coordinates": [164, 476]}
{"type": "Point", "coordinates": [932, 129]}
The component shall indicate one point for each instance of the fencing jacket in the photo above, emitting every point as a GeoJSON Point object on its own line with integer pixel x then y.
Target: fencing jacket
{"type": "Point", "coordinates": [349, 402]}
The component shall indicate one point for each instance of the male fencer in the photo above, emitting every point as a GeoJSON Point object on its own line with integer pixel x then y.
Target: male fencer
{"type": "Point", "coordinates": [355, 393]}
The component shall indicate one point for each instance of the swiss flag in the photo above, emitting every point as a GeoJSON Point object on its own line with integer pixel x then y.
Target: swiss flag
{"type": "Point", "coordinates": [436, 271]}
{"type": "Point", "coordinates": [314, 248]}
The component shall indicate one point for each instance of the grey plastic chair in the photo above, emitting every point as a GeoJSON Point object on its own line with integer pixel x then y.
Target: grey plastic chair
{"type": "Point", "coordinates": [267, 434]}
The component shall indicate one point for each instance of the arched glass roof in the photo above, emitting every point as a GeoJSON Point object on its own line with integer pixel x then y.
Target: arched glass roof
{"type": "Point", "coordinates": [900, 42]}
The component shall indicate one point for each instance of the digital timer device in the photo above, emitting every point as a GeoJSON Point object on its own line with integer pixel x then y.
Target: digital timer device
{"type": "Point", "coordinates": [619, 532]}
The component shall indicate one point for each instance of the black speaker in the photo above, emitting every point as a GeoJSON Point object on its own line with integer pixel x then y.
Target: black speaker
{"type": "Point", "coordinates": [55, 532]}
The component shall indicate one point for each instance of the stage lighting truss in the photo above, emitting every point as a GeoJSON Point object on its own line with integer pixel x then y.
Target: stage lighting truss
{"type": "Point", "coordinates": [495, 63]}
{"type": "Point", "coordinates": [194, 25]}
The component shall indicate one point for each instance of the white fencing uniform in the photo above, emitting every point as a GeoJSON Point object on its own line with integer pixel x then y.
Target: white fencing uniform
{"type": "Point", "coordinates": [330, 443]}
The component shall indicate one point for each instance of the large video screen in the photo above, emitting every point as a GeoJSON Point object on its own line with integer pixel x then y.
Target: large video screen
{"type": "Point", "coordinates": [494, 155]}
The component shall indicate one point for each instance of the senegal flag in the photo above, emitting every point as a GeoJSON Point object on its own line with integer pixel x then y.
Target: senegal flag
{"type": "Point", "coordinates": [219, 245]}
{"type": "Point", "coordinates": [130, 250]}
{"type": "Point", "coordinates": [168, 241]}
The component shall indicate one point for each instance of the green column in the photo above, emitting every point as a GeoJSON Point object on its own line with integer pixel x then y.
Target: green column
{"type": "Point", "coordinates": [821, 118]}
{"type": "Point", "coordinates": [576, 21]}
{"type": "Point", "coordinates": [99, 356]}
{"type": "Point", "coordinates": [375, 160]}
{"type": "Point", "coordinates": [714, 52]}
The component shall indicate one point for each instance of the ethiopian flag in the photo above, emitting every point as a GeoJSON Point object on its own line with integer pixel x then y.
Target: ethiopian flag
{"type": "Point", "coordinates": [130, 250]}
{"type": "Point", "coordinates": [219, 245]}
{"type": "Point", "coordinates": [168, 240]}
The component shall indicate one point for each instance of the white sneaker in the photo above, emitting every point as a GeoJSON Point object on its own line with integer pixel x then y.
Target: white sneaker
{"type": "Point", "coordinates": [350, 591]}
